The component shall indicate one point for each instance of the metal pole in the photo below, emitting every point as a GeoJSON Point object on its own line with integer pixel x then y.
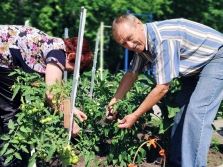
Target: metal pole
{"type": "Point", "coordinates": [65, 36]}
{"type": "Point", "coordinates": [126, 54]}
{"type": "Point", "coordinates": [126, 60]}
{"type": "Point", "coordinates": [101, 48]}
{"type": "Point", "coordinates": [27, 23]}
{"type": "Point", "coordinates": [77, 65]}
{"type": "Point", "coordinates": [94, 64]}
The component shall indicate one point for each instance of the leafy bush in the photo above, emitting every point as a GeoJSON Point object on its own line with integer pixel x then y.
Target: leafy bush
{"type": "Point", "coordinates": [40, 127]}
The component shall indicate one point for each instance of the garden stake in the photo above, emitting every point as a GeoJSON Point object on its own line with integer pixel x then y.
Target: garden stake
{"type": "Point", "coordinates": [65, 36]}
{"type": "Point", "coordinates": [77, 66]}
{"type": "Point", "coordinates": [94, 65]}
{"type": "Point", "coordinates": [32, 148]}
{"type": "Point", "coordinates": [66, 111]}
{"type": "Point", "coordinates": [149, 143]}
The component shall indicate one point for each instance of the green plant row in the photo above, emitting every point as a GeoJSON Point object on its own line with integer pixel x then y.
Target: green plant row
{"type": "Point", "coordinates": [39, 125]}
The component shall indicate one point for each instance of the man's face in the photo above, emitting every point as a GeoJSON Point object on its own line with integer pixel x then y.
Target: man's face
{"type": "Point", "coordinates": [131, 37]}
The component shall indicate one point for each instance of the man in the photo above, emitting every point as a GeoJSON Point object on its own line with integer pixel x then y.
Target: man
{"type": "Point", "coordinates": [173, 48]}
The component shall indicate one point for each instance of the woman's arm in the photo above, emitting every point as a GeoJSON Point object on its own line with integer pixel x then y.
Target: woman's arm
{"type": "Point", "coordinates": [52, 74]}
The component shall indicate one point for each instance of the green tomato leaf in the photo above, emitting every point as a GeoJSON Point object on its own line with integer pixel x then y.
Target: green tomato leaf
{"type": "Point", "coordinates": [116, 124]}
{"type": "Point", "coordinates": [24, 149]}
{"type": "Point", "coordinates": [9, 151]}
{"type": "Point", "coordinates": [15, 91]}
{"type": "Point", "coordinates": [18, 156]}
{"type": "Point", "coordinates": [11, 124]}
{"type": "Point", "coordinates": [8, 159]}
{"type": "Point", "coordinates": [4, 149]}
{"type": "Point", "coordinates": [5, 137]}
{"type": "Point", "coordinates": [23, 129]}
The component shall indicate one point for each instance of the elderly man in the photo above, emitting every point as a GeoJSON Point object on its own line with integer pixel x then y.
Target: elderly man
{"type": "Point", "coordinates": [172, 48]}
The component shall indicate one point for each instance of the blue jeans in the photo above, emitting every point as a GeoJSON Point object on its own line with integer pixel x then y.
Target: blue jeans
{"type": "Point", "coordinates": [199, 101]}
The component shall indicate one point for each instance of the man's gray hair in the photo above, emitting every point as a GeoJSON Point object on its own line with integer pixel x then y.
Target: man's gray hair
{"type": "Point", "coordinates": [128, 18]}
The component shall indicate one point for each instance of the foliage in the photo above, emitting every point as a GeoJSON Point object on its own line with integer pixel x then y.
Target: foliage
{"type": "Point", "coordinates": [37, 124]}
{"type": "Point", "coordinates": [120, 145]}
{"type": "Point", "coordinates": [215, 143]}
{"type": "Point", "coordinates": [207, 12]}
{"type": "Point", "coordinates": [52, 16]}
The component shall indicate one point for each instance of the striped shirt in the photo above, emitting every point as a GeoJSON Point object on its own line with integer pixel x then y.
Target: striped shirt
{"type": "Point", "coordinates": [176, 47]}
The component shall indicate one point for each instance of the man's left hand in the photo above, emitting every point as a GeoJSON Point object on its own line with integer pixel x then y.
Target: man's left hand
{"type": "Point", "coordinates": [127, 121]}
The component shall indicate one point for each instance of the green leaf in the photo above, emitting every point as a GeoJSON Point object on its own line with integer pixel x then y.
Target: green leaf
{"type": "Point", "coordinates": [129, 158]}
{"type": "Point", "coordinates": [12, 73]}
{"type": "Point", "coordinates": [14, 141]}
{"type": "Point", "coordinates": [116, 124]}
{"type": "Point", "coordinates": [172, 111]}
{"type": "Point", "coordinates": [143, 152]}
{"type": "Point", "coordinates": [139, 159]}
{"type": "Point", "coordinates": [8, 159]}
{"type": "Point", "coordinates": [123, 164]}
{"type": "Point", "coordinates": [110, 157]}
{"type": "Point", "coordinates": [11, 125]}
{"type": "Point", "coordinates": [9, 151]}
{"type": "Point", "coordinates": [23, 129]}
{"type": "Point", "coordinates": [4, 149]}
{"type": "Point", "coordinates": [120, 158]}
{"type": "Point", "coordinates": [165, 125]}
{"type": "Point", "coordinates": [51, 152]}
{"type": "Point", "coordinates": [24, 149]}
{"type": "Point", "coordinates": [114, 161]}
{"type": "Point", "coordinates": [18, 156]}
{"type": "Point", "coordinates": [124, 154]}
{"type": "Point", "coordinates": [28, 92]}
{"type": "Point", "coordinates": [32, 160]}
{"type": "Point", "coordinates": [15, 91]}
{"type": "Point", "coordinates": [5, 137]}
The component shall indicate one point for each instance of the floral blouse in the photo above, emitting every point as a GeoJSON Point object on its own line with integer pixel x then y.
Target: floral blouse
{"type": "Point", "coordinates": [36, 48]}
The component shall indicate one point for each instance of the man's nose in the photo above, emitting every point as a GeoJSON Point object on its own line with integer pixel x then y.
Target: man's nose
{"type": "Point", "coordinates": [129, 45]}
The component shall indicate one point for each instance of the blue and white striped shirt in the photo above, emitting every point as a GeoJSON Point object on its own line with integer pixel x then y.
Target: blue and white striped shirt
{"type": "Point", "coordinates": [176, 47]}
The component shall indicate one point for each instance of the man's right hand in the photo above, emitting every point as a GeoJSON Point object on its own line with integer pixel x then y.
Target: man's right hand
{"type": "Point", "coordinates": [110, 113]}
{"type": "Point", "coordinates": [124, 86]}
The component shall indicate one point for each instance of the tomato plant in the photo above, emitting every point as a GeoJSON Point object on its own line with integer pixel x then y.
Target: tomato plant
{"type": "Point", "coordinates": [40, 126]}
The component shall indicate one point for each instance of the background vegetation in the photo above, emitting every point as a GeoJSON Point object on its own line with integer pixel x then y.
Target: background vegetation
{"type": "Point", "coordinates": [52, 16]}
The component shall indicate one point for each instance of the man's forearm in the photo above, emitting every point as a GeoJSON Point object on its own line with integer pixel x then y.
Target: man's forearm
{"type": "Point", "coordinates": [153, 97]}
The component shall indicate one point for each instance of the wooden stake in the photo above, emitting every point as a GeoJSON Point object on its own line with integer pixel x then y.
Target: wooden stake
{"type": "Point", "coordinates": [66, 111]}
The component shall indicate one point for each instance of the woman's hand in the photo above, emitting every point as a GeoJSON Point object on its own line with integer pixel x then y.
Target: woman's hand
{"type": "Point", "coordinates": [75, 129]}
{"type": "Point", "coordinates": [80, 115]}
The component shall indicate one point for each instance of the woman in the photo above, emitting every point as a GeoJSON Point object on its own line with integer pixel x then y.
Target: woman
{"type": "Point", "coordinates": [34, 51]}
